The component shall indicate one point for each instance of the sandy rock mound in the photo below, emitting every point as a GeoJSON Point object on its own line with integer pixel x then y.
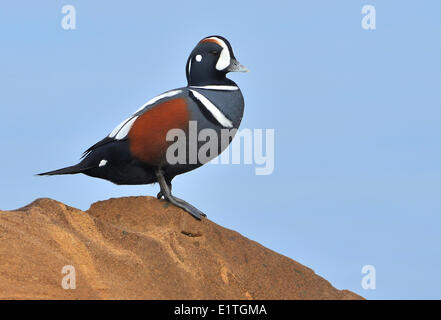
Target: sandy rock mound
{"type": "Point", "coordinates": [142, 248]}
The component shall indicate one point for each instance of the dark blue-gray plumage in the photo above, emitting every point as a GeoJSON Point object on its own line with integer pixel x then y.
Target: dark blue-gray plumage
{"type": "Point", "coordinates": [135, 151]}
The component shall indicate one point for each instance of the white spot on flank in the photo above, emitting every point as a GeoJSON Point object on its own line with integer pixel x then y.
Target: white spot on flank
{"type": "Point", "coordinates": [102, 163]}
{"type": "Point", "coordinates": [198, 58]}
{"type": "Point", "coordinates": [217, 114]}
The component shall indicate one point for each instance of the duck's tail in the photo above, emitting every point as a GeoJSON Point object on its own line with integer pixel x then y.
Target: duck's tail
{"type": "Point", "coordinates": [68, 170]}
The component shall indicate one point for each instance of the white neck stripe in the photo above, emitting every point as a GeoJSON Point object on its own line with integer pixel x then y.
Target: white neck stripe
{"type": "Point", "coordinates": [216, 87]}
{"type": "Point", "coordinates": [217, 114]}
{"type": "Point", "coordinates": [189, 69]}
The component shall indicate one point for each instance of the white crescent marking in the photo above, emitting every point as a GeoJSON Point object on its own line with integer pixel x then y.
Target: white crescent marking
{"type": "Point", "coordinates": [217, 114]}
{"type": "Point", "coordinates": [225, 57]}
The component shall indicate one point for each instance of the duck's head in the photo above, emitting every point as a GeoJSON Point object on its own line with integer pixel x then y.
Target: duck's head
{"type": "Point", "coordinates": [210, 61]}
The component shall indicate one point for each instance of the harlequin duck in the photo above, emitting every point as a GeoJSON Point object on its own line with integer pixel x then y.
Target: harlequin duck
{"type": "Point", "coordinates": [135, 152]}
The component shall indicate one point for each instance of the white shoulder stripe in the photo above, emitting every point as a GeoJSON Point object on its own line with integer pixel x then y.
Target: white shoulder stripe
{"type": "Point", "coordinates": [125, 129]}
{"type": "Point", "coordinates": [161, 96]}
{"type": "Point", "coordinates": [121, 131]}
{"type": "Point", "coordinates": [118, 127]}
{"type": "Point", "coordinates": [217, 87]}
{"type": "Point", "coordinates": [217, 114]}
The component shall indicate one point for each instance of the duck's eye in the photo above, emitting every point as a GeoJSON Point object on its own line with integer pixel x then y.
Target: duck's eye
{"type": "Point", "coordinates": [215, 52]}
{"type": "Point", "coordinates": [198, 58]}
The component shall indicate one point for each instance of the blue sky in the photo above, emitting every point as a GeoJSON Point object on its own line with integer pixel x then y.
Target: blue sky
{"type": "Point", "coordinates": [356, 114]}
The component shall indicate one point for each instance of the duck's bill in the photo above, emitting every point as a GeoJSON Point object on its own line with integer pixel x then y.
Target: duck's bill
{"type": "Point", "coordinates": [235, 66]}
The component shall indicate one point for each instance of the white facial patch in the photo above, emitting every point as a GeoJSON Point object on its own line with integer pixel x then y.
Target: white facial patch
{"type": "Point", "coordinates": [102, 163]}
{"type": "Point", "coordinates": [225, 57]}
{"type": "Point", "coordinates": [198, 58]}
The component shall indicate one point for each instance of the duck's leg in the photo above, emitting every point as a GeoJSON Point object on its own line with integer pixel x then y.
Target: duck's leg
{"type": "Point", "coordinates": [166, 193]}
{"type": "Point", "coordinates": [160, 195]}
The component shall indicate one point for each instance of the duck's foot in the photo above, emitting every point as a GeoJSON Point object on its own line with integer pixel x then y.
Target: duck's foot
{"type": "Point", "coordinates": [166, 193]}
